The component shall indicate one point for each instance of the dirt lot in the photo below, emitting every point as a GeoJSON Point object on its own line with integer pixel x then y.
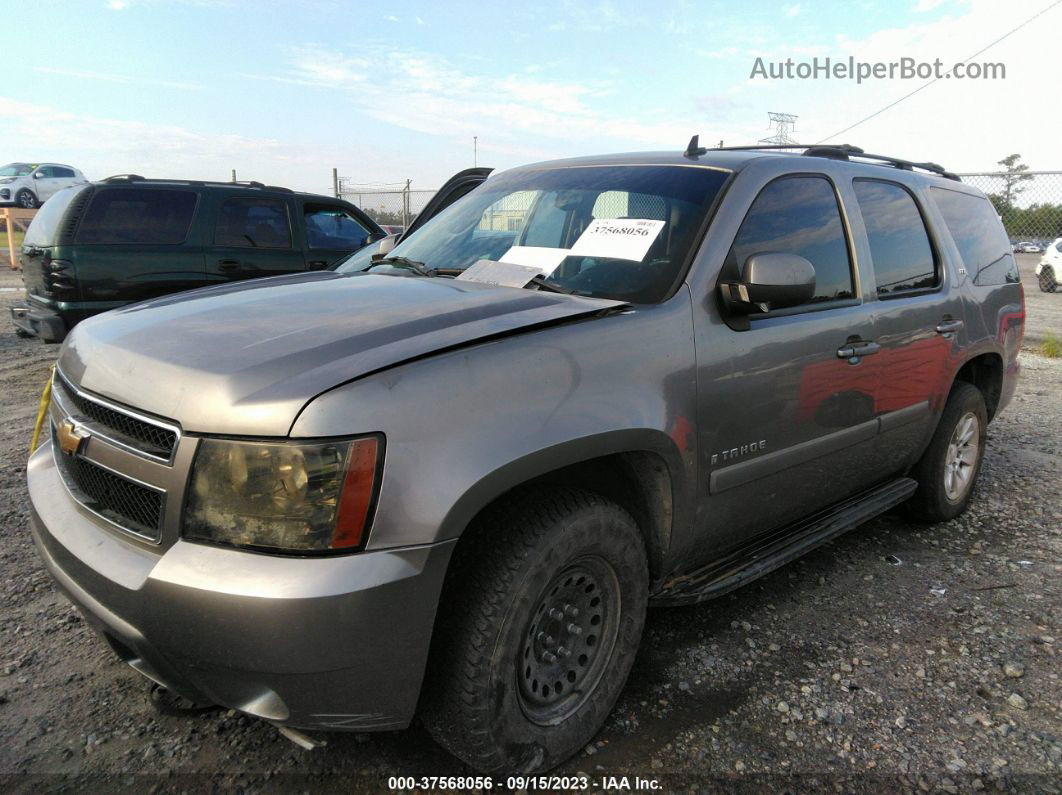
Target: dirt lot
{"type": "Point", "coordinates": [900, 657]}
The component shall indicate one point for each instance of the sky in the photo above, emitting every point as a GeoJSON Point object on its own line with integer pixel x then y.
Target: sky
{"type": "Point", "coordinates": [285, 91]}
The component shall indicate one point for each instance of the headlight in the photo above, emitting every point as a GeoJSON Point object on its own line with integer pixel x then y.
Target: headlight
{"type": "Point", "coordinates": [292, 497]}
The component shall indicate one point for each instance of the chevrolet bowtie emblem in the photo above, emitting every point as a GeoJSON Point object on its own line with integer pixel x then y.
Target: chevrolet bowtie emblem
{"type": "Point", "coordinates": [71, 436]}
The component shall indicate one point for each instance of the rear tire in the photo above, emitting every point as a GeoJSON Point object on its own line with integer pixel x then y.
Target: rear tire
{"type": "Point", "coordinates": [26, 200]}
{"type": "Point", "coordinates": [948, 470]}
{"type": "Point", "coordinates": [1047, 279]}
{"type": "Point", "coordinates": [540, 620]}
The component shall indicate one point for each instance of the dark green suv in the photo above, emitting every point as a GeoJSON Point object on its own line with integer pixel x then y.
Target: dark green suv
{"type": "Point", "coordinates": [97, 247]}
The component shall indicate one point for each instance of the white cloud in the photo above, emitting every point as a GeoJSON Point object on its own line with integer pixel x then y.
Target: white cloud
{"type": "Point", "coordinates": [966, 124]}
{"type": "Point", "coordinates": [101, 146]}
{"type": "Point", "coordinates": [516, 113]}
{"type": "Point", "coordinates": [118, 5]}
{"type": "Point", "coordinates": [928, 5]}
{"type": "Point", "coordinates": [419, 21]}
{"type": "Point", "coordinates": [116, 78]}
{"type": "Point", "coordinates": [791, 11]}
{"type": "Point", "coordinates": [391, 18]}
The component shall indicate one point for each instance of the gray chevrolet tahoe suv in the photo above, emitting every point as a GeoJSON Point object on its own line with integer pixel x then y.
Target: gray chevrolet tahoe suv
{"type": "Point", "coordinates": [449, 484]}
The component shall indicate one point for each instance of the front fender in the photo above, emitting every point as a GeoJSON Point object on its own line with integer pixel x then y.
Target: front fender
{"type": "Point", "coordinates": [465, 426]}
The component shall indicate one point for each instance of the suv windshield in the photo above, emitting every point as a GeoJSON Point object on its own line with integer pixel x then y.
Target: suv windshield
{"type": "Point", "coordinates": [618, 232]}
{"type": "Point", "coordinates": [16, 170]}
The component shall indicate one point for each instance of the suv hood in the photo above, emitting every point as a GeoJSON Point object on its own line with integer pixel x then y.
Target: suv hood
{"type": "Point", "coordinates": [244, 359]}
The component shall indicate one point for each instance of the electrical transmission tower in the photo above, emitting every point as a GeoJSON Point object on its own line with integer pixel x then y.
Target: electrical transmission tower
{"type": "Point", "coordinates": [783, 123]}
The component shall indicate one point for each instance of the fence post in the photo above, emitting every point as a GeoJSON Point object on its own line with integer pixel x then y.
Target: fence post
{"type": "Point", "coordinates": [405, 204]}
{"type": "Point", "coordinates": [335, 182]}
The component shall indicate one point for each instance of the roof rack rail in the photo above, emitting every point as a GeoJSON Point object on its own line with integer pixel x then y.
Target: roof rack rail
{"type": "Point", "coordinates": [833, 152]}
{"type": "Point", "coordinates": [243, 184]}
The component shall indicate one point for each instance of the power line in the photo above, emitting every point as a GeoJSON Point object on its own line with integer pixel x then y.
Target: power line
{"type": "Point", "coordinates": [935, 79]}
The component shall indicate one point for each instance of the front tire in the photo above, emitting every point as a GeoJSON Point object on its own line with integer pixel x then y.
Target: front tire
{"type": "Point", "coordinates": [948, 470]}
{"type": "Point", "coordinates": [1047, 279]}
{"type": "Point", "coordinates": [541, 617]}
{"type": "Point", "coordinates": [26, 200]}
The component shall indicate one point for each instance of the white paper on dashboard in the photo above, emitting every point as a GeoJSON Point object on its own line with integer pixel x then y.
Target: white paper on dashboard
{"type": "Point", "coordinates": [617, 238]}
{"type": "Point", "coordinates": [500, 274]}
{"type": "Point", "coordinates": [541, 257]}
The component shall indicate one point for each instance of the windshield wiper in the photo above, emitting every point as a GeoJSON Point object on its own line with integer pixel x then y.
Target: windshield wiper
{"type": "Point", "coordinates": [540, 282]}
{"type": "Point", "coordinates": [405, 262]}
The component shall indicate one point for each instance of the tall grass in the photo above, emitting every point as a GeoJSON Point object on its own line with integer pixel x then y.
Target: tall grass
{"type": "Point", "coordinates": [1051, 347]}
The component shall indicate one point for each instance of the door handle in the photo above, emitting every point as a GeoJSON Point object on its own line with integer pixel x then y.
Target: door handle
{"type": "Point", "coordinates": [317, 264]}
{"type": "Point", "coordinates": [229, 264]}
{"type": "Point", "coordinates": [948, 326]}
{"type": "Point", "coordinates": [855, 350]}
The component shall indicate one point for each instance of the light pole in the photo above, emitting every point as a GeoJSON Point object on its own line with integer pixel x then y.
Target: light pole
{"type": "Point", "coordinates": [475, 151]}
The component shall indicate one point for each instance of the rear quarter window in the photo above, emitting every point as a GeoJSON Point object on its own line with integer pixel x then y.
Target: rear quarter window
{"type": "Point", "coordinates": [138, 215]}
{"type": "Point", "coordinates": [979, 235]}
{"type": "Point", "coordinates": [44, 229]}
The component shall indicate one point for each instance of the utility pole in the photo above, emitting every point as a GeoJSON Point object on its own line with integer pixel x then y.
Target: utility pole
{"type": "Point", "coordinates": [335, 182]}
{"type": "Point", "coordinates": [475, 151]}
{"type": "Point", "coordinates": [405, 204]}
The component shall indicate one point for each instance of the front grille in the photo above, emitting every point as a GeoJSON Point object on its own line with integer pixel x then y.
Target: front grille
{"type": "Point", "coordinates": [146, 436]}
{"type": "Point", "coordinates": [130, 505]}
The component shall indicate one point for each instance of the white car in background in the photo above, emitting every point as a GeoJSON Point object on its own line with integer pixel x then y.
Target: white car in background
{"type": "Point", "coordinates": [1029, 248]}
{"type": "Point", "coordinates": [1050, 267]}
{"type": "Point", "coordinates": [29, 185]}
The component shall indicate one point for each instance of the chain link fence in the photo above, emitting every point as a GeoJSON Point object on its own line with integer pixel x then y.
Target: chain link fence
{"type": "Point", "coordinates": [1030, 203]}
{"type": "Point", "coordinates": [388, 207]}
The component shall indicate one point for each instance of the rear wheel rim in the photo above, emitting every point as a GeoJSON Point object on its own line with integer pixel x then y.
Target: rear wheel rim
{"type": "Point", "coordinates": [568, 641]}
{"type": "Point", "coordinates": [961, 458]}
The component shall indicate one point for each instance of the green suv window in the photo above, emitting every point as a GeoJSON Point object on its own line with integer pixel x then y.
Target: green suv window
{"type": "Point", "coordinates": [253, 223]}
{"type": "Point", "coordinates": [131, 215]}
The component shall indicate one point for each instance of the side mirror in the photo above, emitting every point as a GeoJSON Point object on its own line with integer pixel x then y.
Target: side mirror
{"type": "Point", "coordinates": [374, 237]}
{"type": "Point", "coordinates": [384, 246]}
{"type": "Point", "coordinates": [769, 281]}
{"type": "Point", "coordinates": [37, 175]}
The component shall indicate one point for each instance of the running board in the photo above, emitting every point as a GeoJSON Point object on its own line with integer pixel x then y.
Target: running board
{"type": "Point", "coordinates": [773, 550]}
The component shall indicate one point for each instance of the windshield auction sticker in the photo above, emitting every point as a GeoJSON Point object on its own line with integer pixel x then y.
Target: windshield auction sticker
{"type": "Point", "coordinates": [541, 257]}
{"type": "Point", "coordinates": [617, 238]}
{"type": "Point", "coordinates": [500, 274]}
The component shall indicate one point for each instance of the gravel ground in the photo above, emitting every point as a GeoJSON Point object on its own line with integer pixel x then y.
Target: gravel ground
{"type": "Point", "coordinates": [898, 658]}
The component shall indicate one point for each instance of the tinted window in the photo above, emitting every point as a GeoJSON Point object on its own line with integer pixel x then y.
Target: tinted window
{"type": "Point", "coordinates": [59, 171]}
{"type": "Point", "coordinates": [43, 230]}
{"type": "Point", "coordinates": [899, 243]}
{"type": "Point", "coordinates": [136, 215]}
{"type": "Point", "coordinates": [978, 233]}
{"type": "Point", "coordinates": [333, 227]}
{"type": "Point", "coordinates": [798, 215]}
{"type": "Point", "coordinates": [253, 223]}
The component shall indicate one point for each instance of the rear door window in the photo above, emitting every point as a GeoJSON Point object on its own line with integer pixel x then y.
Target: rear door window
{"type": "Point", "coordinates": [978, 233]}
{"type": "Point", "coordinates": [253, 223]}
{"type": "Point", "coordinates": [798, 215]}
{"type": "Point", "coordinates": [899, 244]}
{"type": "Point", "coordinates": [138, 215]}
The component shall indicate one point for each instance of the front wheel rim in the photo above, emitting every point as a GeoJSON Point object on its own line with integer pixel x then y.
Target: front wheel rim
{"type": "Point", "coordinates": [568, 641]}
{"type": "Point", "coordinates": [27, 201]}
{"type": "Point", "coordinates": [961, 458]}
